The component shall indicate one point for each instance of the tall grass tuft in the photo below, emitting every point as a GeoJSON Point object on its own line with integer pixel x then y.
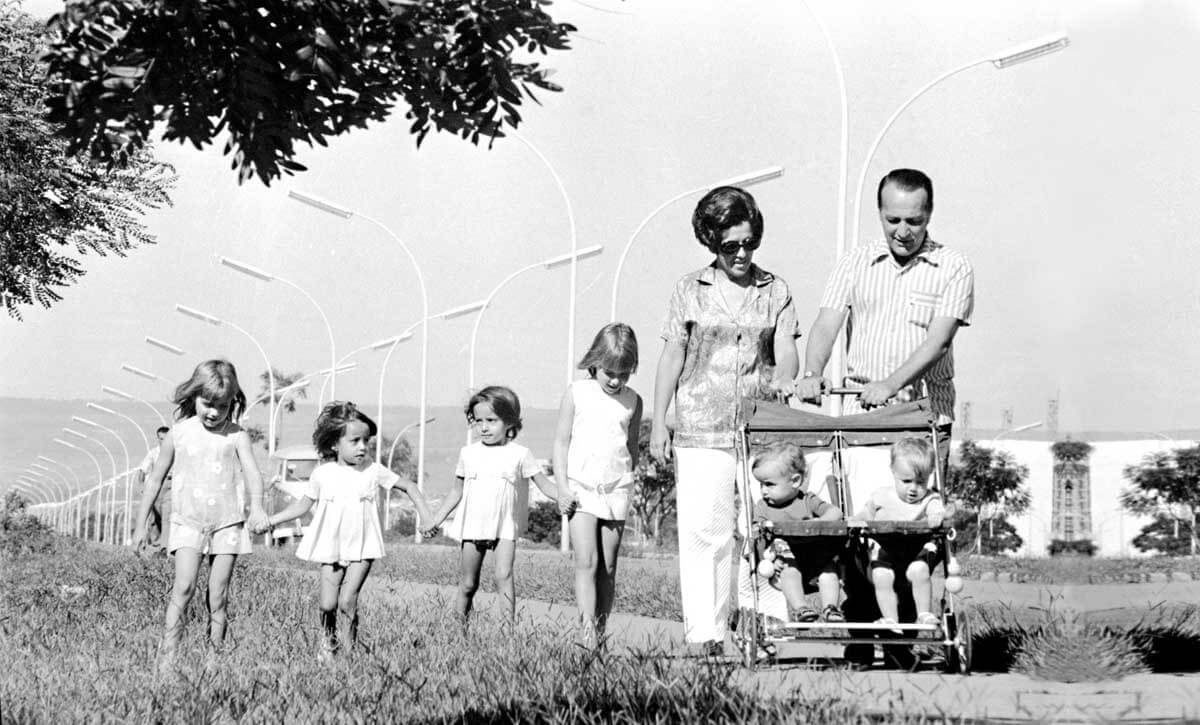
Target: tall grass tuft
{"type": "Point", "coordinates": [1064, 648]}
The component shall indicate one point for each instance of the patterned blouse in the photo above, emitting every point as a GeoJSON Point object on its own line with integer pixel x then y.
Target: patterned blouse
{"type": "Point", "coordinates": [726, 355]}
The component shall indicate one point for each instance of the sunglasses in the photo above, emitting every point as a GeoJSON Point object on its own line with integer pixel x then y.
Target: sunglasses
{"type": "Point", "coordinates": [731, 248]}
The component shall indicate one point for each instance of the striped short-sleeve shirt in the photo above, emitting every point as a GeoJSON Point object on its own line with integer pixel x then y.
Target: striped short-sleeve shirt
{"type": "Point", "coordinates": [890, 308]}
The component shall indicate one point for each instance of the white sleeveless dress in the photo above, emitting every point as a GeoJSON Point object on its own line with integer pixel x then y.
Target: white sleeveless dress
{"type": "Point", "coordinates": [599, 468]}
{"type": "Point", "coordinates": [207, 497]}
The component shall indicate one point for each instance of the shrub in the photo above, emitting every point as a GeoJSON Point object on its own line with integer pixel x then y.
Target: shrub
{"type": "Point", "coordinates": [1082, 547]}
{"type": "Point", "coordinates": [544, 523]}
{"type": "Point", "coordinates": [20, 531]}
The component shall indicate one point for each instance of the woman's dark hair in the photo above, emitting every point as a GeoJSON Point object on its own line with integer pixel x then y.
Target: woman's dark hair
{"type": "Point", "coordinates": [906, 180]}
{"type": "Point", "coordinates": [215, 380]}
{"type": "Point", "coordinates": [505, 404]}
{"type": "Point", "coordinates": [722, 209]}
{"type": "Point", "coordinates": [331, 425]}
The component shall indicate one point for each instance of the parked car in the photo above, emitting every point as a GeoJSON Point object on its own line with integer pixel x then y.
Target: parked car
{"type": "Point", "coordinates": [290, 469]}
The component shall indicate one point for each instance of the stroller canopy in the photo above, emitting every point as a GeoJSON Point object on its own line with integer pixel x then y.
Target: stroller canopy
{"type": "Point", "coordinates": [882, 426]}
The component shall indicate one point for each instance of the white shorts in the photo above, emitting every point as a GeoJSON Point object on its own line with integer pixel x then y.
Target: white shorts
{"type": "Point", "coordinates": [609, 502]}
{"type": "Point", "coordinates": [233, 539]}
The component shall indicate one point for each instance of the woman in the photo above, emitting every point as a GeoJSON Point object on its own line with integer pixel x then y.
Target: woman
{"type": "Point", "coordinates": [730, 333]}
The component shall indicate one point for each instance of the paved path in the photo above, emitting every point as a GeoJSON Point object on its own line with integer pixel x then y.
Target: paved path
{"type": "Point", "coordinates": [991, 697]}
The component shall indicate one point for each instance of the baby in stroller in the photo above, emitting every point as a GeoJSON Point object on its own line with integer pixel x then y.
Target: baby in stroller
{"type": "Point", "coordinates": [792, 566]}
{"type": "Point", "coordinates": [909, 498]}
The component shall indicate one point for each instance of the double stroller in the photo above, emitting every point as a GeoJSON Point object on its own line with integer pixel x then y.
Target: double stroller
{"type": "Point", "coordinates": [757, 633]}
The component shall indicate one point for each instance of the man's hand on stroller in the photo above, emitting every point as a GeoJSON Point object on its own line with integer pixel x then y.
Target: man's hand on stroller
{"type": "Point", "coordinates": [810, 389]}
{"type": "Point", "coordinates": [876, 394]}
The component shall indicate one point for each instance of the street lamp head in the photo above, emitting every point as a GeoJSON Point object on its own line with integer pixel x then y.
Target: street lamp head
{"type": "Point", "coordinates": [48, 460]}
{"type": "Point", "coordinates": [68, 444]}
{"type": "Point", "coordinates": [85, 421]}
{"type": "Point", "coordinates": [319, 203]}
{"type": "Point", "coordinates": [391, 341]}
{"type": "Point", "coordinates": [39, 467]}
{"type": "Point", "coordinates": [202, 316]}
{"type": "Point", "coordinates": [139, 372]}
{"type": "Point", "coordinates": [462, 310]}
{"type": "Point", "coordinates": [75, 433]}
{"type": "Point", "coordinates": [246, 269]}
{"type": "Point", "coordinates": [754, 177]}
{"type": "Point", "coordinates": [118, 393]}
{"type": "Point", "coordinates": [101, 408]}
{"type": "Point", "coordinates": [578, 254]}
{"type": "Point", "coordinates": [1032, 49]}
{"type": "Point", "coordinates": [164, 345]}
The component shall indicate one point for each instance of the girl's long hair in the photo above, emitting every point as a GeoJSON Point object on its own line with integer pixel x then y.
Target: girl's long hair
{"type": "Point", "coordinates": [331, 425]}
{"type": "Point", "coordinates": [505, 404]}
{"type": "Point", "coordinates": [614, 348]}
{"type": "Point", "coordinates": [215, 380]}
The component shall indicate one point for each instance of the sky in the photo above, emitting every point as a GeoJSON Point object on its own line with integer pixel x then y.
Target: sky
{"type": "Point", "coordinates": [1068, 181]}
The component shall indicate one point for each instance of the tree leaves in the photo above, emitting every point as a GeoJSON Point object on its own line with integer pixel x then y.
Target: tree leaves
{"type": "Point", "coordinates": [271, 74]}
{"type": "Point", "coordinates": [52, 204]}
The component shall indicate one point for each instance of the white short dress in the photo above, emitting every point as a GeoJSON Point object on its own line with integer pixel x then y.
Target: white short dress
{"type": "Point", "coordinates": [599, 467]}
{"type": "Point", "coordinates": [492, 477]}
{"type": "Point", "coordinates": [207, 498]}
{"type": "Point", "coordinates": [345, 524]}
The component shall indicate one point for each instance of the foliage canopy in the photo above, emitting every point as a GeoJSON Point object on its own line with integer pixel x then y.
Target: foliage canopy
{"type": "Point", "coordinates": [270, 74]}
{"type": "Point", "coordinates": [54, 205]}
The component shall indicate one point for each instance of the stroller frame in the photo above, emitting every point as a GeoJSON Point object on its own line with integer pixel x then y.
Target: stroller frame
{"type": "Point", "coordinates": [761, 420]}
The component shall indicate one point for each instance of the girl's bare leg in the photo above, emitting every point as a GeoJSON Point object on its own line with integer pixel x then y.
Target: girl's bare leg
{"type": "Point", "coordinates": [220, 572]}
{"type": "Point", "coordinates": [471, 563]}
{"type": "Point", "coordinates": [584, 548]}
{"type": "Point", "coordinates": [187, 565]}
{"type": "Point", "coordinates": [331, 584]}
{"type": "Point", "coordinates": [606, 585]}
{"type": "Point", "coordinates": [506, 551]}
{"type": "Point", "coordinates": [356, 576]}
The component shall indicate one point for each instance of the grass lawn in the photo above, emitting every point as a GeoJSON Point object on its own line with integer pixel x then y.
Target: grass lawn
{"type": "Point", "coordinates": [79, 628]}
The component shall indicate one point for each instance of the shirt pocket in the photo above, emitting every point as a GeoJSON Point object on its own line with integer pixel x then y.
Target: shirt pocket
{"type": "Point", "coordinates": [921, 306]}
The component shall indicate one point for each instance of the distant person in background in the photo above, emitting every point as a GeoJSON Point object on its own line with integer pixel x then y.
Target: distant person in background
{"type": "Point", "coordinates": [154, 525]}
{"type": "Point", "coordinates": [730, 334]}
{"type": "Point", "coordinates": [902, 299]}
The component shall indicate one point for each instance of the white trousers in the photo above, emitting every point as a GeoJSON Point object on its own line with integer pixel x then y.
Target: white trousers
{"type": "Point", "coordinates": [707, 483]}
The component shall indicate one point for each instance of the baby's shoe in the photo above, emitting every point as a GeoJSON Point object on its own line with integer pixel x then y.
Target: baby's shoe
{"type": "Point", "coordinates": [832, 613]}
{"type": "Point", "coordinates": [803, 613]}
{"type": "Point", "coordinates": [888, 622]}
{"type": "Point", "coordinates": [928, 618]}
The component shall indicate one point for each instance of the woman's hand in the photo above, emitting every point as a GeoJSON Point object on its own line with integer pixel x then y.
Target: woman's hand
{"type": "Point", "coordinates": [567, 505]}
{"type": "Point", "coordinates": [660, 444]}
{"type": "Point", "coordinates": [809, 389]}
{"type": "Point", "coordinates": [430, 532]}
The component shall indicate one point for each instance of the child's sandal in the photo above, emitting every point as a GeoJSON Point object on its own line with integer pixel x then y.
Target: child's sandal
{"type": "Point", "coordinates": [832, 613]}
{"type": "Point", "coordinates": [804, 614]}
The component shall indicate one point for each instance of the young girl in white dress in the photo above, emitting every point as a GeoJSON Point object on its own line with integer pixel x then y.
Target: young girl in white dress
{"type": "Point", "coordinates": [344, 537]}
{"type": "Point", "coordinates": [485, 493]}
{"type": "Point", "coordinates": [595, 454]}
{"type": "Point", "coordinates": [204, 452]}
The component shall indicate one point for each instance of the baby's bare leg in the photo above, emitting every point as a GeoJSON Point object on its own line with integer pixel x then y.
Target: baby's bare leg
{"type": "Point", "coordinates": [830, 588]}
{"type": "Point", "coordinates": [922, 586]}
{"type": "Point", "coordinates": [791, 583]}
{"type": "Point", "coordinates": [884, 580]}
{"type": "Point", "coordinates": [506, 551]}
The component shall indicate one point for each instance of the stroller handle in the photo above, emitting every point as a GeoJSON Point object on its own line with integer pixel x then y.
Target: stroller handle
{"type": "Point", "coordinates": [844, 391]}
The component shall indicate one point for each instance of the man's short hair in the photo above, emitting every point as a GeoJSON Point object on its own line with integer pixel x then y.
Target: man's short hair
{"type": "Point", "coordinates": [906, 180]}
{"type": "Point", "coordinates": [162, 429]}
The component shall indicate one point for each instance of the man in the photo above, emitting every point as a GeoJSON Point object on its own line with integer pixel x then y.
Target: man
{"type": "Point", "coordinates": [143, 470]}
{"type": "Point", "coordinates": [905, 298]}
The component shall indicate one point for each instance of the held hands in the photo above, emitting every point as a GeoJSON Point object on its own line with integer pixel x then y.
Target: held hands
{"type": "Point", "coordinates": [430, 532]}
{"type": "Point", "coordinates": [258, 522]}
{"type": "Point", "coordinates": [567, 505]}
